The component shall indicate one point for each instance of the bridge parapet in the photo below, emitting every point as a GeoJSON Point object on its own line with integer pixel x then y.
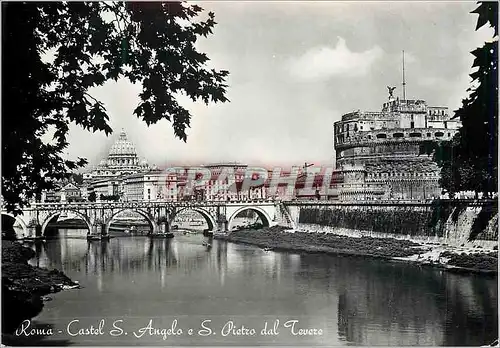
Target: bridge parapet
{"type": "Point", "coordinates": [140, 204]}
{"type": "Point", "coordinates": [159, 214]}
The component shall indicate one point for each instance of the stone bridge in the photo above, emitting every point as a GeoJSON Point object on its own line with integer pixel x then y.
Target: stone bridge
{"type": "Point", "coordinates": [218, 215]}
{"type": "Point", "coordinates": [160, 215]}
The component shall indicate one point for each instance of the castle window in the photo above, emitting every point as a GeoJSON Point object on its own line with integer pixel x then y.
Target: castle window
{"type": "Point", "coordinates": [412, 124]}
{"type": "Point", "coordinates": [439, 134]}
{"type": "Point", "coordinates": [445, 124]}
{"type": "Point", "coordinates": [398, 135]}
{"type": "Point", "coordinates": [428, 134]}
{"type": "Point", "coordinates": [381, 136]}
{"type": "Point", "coordinates": [416, 135]}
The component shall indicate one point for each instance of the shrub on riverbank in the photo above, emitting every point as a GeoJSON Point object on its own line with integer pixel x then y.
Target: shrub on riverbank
{"type": "Point", "coordinates": [23, 285]}
{"type": "Point", "coordinates": [486, 261]}
{"type": "Point", "coordinates": [328, 243]}
{"type": "Point", "coordinates": [15, 252]}
{"type": "Point", "coordinates": [481, 222]}
{"type": "Point", "coordinates": [278, 239]}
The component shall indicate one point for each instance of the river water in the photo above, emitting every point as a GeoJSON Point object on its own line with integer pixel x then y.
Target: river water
{"type": "Point", "coordinates": [227, 293]}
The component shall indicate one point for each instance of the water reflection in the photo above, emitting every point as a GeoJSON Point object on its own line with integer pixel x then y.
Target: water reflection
{"type": "Point", "coordinates": [124, 255]}
{"type": "Point", "coordinates": [356, 301]}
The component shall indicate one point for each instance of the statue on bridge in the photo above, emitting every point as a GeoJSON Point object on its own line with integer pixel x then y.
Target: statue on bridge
{"type": "Point", "coordinates": [391, 92]}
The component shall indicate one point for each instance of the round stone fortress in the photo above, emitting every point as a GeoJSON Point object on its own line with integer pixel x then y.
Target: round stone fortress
{"type": "Point", "coordinates": [378, 153]}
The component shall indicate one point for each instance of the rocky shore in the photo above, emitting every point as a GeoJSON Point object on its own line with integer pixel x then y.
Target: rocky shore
{"type": "Point", "coordinates": [25, 287]}
{"type": "Point", "coordinates": [278, 238]}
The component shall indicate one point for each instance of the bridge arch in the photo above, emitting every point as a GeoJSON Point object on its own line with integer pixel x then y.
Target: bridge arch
{"type": "Point", "coordinates": [262, 214]}
{"type": "Point", "coordinates": [23, 224]}
{"type": "Point", "coordinates": [82, 217]}
{"type": "Point", "coordinates": [212, 223]}
{"type": "Point", "coordinates": [142, 213]}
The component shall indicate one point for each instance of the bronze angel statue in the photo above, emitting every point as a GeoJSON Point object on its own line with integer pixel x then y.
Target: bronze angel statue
{"type": "Point", "coordinates": [391, 91]}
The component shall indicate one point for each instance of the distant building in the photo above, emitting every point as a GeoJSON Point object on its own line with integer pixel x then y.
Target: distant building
{"type": "Point", "coordinates": [154, 185]}
{"type": "Point", "coordinates": [109, 177]}
{"type": "Point", "coordinates": [51, 196]}
{"type": "Point", "coordinates": [279, 187]}
{"type": "Point", "coordinates": [122, 160]}
{"type": "Point", "coordinates": [226, 183]}
{"type": "Point", "coordinates": [219, 187]}
{"type": "Point", "coordinates": [70, 193]}
{"type": "Point", "coordinates": [157, 186]}
{"type": "Point", "coordinates": [106, 187]}
{"type": "Point", "coordinates": [133, 187]}
{"type": "Point", "coordinates": [321, 186]}
{"type": "Point", "coordinates": [378, 153]}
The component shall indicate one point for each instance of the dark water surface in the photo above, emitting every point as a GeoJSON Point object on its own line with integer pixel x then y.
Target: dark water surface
{"type": "Point", "coordinates": [180, 283]}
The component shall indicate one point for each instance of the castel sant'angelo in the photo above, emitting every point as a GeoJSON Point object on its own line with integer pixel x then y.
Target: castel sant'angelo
{"type": "Point", "coordinates": [378, 153]}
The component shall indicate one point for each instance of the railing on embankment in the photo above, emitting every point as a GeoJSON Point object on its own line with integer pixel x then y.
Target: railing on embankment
{"type": "Point", "coordinates": [418, 203]}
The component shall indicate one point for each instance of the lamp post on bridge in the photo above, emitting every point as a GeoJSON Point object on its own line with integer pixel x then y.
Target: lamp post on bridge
{"type": "Point", "coordinates": [304, 174]}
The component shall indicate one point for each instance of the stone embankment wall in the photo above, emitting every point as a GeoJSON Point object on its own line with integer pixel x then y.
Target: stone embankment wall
{"type": "Point", "coordinates": [453, 223]}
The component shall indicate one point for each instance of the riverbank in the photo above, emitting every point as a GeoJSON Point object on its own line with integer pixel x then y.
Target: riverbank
{"type": "Point", "coordinates": [468, 260]}
{"type": "Point", "coordinates": [25, 287]}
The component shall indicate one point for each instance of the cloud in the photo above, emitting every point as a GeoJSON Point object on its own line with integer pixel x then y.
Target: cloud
{"type": "Point", "coordinates": [410, 58]}
{"type": "Point", "coordinates": [321, 63]}
{"type": "Point", "coordinates": [432, 82]}
{"type": "Point", "coordinates": [272, 120]}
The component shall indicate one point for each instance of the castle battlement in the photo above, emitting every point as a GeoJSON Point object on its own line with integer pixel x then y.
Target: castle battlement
{"type": "Point", "coordinates": [386, 146]}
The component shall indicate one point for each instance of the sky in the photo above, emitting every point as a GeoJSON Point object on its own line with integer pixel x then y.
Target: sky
{"type": "Point", "coordinates": [295, 69]}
